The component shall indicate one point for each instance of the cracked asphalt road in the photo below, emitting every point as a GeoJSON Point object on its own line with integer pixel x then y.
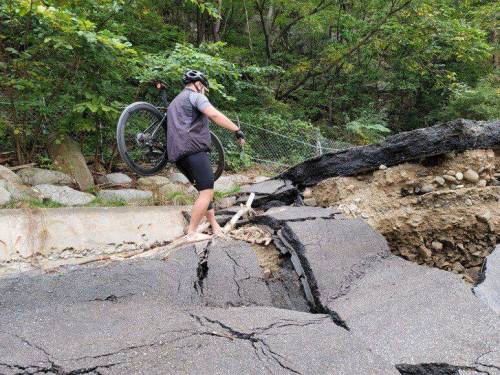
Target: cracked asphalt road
{"type": "Point", "coordinates": [209, 310]}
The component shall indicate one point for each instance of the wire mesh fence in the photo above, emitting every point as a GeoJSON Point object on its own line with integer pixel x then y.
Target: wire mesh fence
{"type": "Point", "coordinates": [275, 150]}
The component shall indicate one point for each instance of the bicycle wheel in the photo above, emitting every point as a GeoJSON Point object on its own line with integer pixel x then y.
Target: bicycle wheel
{"type": "Point", "coordinates": [217, 157]}
{"type": "Point", "coordinates": [142, 139]}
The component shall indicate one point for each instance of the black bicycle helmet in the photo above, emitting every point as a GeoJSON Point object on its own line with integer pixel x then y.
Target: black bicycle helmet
{"type": "Point", "coordinates": [194, 76]}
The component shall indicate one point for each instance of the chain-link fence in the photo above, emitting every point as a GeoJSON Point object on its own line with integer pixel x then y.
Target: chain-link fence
{"type": "Point", "coordinates": [275, 150]}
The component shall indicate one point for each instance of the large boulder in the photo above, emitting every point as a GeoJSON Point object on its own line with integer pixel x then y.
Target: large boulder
{"type": "Point", "coordinates": [178, 178]}
{"type": "Point", "coordinates": [64, 195]}
{"type": "Point", "coordinates": [125, 195]}
{"type": "Point", "coordinates": [68, 158]}
{"type": "Point", "coordinates": [7, 175]}
{"type": "Point", "coordinates": [5, 196]}
{"type": "Point", "coordinates": [117, 179]}
{"type": "Point", "coordinates": [38, 176]}
{"type": "Point", "coordinates": [18, 191]}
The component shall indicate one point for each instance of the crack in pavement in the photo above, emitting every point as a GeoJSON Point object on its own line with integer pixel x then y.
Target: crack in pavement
{"type": "Point", "coordinates": [297, 249]}
{"type": "Point", "coordinates": [437, 369]}
{"type": "Point", "coordinates": [301, 265]}
{"type": "Point", "coordinates": [52, 367]}
{"type": "Point", "coordinates": [235, 273]}
{"type": "Point", "coordinates": [202, 269]}
{"type": "Point", "coordinates": [258, 344]}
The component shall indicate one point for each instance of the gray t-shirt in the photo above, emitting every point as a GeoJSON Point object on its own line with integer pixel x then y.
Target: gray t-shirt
{"type": "Point", "coordinates": [187, 131]}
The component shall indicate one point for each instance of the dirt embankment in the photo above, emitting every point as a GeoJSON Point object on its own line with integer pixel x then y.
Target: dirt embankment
{"type": "Point", "coordinates": [443, 212]}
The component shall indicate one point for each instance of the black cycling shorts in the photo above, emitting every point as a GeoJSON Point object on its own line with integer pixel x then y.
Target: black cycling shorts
{"type": "Point", "coordinates": [198, 170]}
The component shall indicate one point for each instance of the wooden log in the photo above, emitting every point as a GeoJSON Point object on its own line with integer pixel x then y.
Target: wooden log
{"type": "Point", "coordinates": [458, 135]}
{"type": "Point", "coordinates": [244, 209]}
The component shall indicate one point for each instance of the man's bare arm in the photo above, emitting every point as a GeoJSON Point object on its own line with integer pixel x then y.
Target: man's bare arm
{"type": "Point", "coordinates": [219, 118]}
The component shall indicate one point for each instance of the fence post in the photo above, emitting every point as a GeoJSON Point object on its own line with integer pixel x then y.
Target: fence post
{"type": "Point", "coordinates": [318, 142]}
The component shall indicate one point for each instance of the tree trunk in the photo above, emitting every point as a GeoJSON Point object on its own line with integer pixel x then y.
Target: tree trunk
{"type": "Point", "coordinates": [217, 22]}
{"type": "Point", "coordinates": [200, 29]}
{"type": "Point", "coordinates": [458, 135]}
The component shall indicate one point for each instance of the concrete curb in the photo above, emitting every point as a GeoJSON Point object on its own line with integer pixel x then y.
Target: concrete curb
{"type": "Point", "coordinates": [33, 237]}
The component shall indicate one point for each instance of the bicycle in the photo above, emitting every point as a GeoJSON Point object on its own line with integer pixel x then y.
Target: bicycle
{"type": "Point", "coordinates": [141, 136]}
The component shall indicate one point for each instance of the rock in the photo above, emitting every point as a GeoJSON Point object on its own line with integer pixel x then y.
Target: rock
{"type": "Point", "coordinates": [426, 189]}
{"type": "Point", "coordinates": [310, 202]}
{"type": "Point", "coordinates": [5, 196]}
{"type": "Point", "coordinates": [152, 182]}
{"type": "Point", "coordinates": [488, 290]}
{"type": "Point", "coordinates": [64, 195]}
{"type": "Point", "coordinates": [482, 183]}
{"type": "Point", "coordinates": [260, 179]}
{"type": "Point", "coordinates": [449, 178]}
{"type": "Point", "coordinates": [471, 176]}
{"type": "Point", "coordinates": [424, 252]}
{"type": "Point", "coordinates": [451, 172]}
{"type": "Point", "coordinates": [484, 217]}
{"type": "Point", "coordinates": [118, 179]}
{"type": "Point", "coordinates": [440, 180]}
{"type": "Point", "coordinates": [307, 193]}
{"type": "Point", "coordinates": [178, 178]}
{"type": "Point", "coordinates": [458, 268]}
{"type": "Point", "coordinates": [494, 182]}
{"type": "Point", "coordinates": [436, 245]}
{"type": "Point", "coordinates": [459, 176]}
{"type": "Point", "coordinates": [468, 202]}
{"type": "Point", "coordinates": [382, 167]}
{"type": "Point", "coordinates": [38, 176]}
{"type": "Point", "coordinates": [67, 157]}
{"type": "Point", "coordinates": [226, 202]}
{"type": "Point", "coordinates": [19, 191]}
{"type": "Point", "coordinates": [170, 188]}
{"type": "Point", "coordinates": [229, 182]}
{"type": "Point", "coordinates": [125, 195]}
{"type": "Point", "coordinates": [7, 175]}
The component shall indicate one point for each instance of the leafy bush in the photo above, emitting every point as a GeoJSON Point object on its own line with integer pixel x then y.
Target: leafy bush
{"type": "Point", "coordinates": [479, 103]}
{"type": "Point", "coordinates": [369, 127]}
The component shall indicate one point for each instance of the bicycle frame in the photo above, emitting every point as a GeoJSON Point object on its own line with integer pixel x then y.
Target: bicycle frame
{"type": "Point", "coordinates": [164, 100]}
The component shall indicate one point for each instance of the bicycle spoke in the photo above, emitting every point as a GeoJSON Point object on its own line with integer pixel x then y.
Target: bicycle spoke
{"type": "Point", "coordinates": [144, 139]}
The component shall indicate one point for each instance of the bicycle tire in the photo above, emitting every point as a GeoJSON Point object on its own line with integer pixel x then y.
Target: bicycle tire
{"type": "Point", "coordinates": [217, 154]}
{"type": "Point", "coordinates": [121, 138]}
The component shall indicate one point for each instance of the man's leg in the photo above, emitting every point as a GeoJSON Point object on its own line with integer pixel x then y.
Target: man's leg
{"type": "Point", "coordinates": [216, 229]}
{"type": "Point", "coordinates": [200, 208]}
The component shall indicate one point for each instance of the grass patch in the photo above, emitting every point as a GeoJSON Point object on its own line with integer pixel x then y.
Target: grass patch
{"type": "Point", "coordinates": [33, 203]}
{"type": "Point", "coordinates": [98, 202]}
{"type": "Point", "coordinates": [180, 198]}
{"type": "Point", "coordinates": [222, 194]}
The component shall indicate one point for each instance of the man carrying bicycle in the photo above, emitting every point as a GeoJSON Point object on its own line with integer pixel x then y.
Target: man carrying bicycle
{"type": "Point", "coordinates": [188, 144]}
